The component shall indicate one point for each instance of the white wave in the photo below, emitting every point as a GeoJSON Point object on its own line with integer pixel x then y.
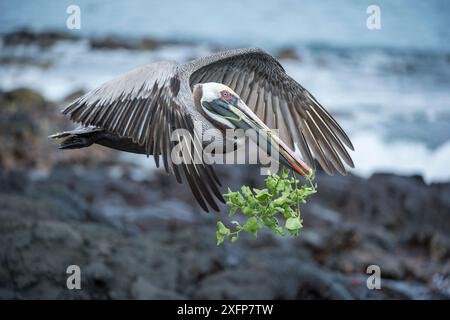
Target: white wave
{"type": "Point", "coordinates": [372, 154]}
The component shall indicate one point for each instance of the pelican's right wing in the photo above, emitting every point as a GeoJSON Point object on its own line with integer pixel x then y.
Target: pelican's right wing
{"type": "Point", "coordinates": [144, 105]}
{"type": "Point", "coordinates": [280, 101]}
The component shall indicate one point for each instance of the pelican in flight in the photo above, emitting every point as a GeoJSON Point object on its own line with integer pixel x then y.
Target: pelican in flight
{"type": "Point", "coordinates": [242, 88]}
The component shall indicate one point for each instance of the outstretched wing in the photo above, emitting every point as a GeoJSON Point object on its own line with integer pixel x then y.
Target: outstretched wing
{"type": "Point", "coordinates": [279, 101]}
{"type": "Point", "coordinates": [143, 105]}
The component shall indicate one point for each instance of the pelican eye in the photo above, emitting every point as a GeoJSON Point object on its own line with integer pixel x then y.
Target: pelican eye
{"type": "Point", "coordinates": [226, 95]}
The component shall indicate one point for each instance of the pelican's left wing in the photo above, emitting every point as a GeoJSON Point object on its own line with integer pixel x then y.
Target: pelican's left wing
{"type": "Point", "coordinates": [144, 105]}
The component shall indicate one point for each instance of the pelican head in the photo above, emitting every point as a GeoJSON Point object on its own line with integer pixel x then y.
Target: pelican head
{"type": "Point", "coordinates": [223, 107]}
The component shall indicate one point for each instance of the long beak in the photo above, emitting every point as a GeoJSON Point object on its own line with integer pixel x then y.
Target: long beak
{"type": "Point", "coordinates": [244, 118]}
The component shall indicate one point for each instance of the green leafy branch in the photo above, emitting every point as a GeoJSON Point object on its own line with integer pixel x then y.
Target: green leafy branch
{"type": "Point", "coordinates": [280, 200]}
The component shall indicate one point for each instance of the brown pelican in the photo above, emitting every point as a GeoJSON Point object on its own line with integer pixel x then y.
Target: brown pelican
{"type": "Point", "coordinates": [243, 88]}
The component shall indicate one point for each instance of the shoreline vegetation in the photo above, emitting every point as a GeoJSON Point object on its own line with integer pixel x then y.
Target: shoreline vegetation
{"type": "Point", "coordinates": [136, 233]}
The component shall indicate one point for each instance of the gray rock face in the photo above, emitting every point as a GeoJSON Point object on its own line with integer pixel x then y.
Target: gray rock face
{"type": "Point", "coordinates": [49, 224]}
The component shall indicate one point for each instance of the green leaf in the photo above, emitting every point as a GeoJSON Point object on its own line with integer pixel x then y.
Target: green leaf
{"type": "Point", "coordinates": [246, 191]}
{"type": "Point", "coordinates": [278, 230]}
{"type": "Point", "coordinates": [252, 226]}
{"type": "Point", "coordinates": [271, 183]}
{"type": "Point", "coordinates": [262, 195]}
{"type": "Point", "coordinates": [293, 223]}
{"type": "Point", "coordinates": [281, 198]}
{"type": "Point", "coordinates": [238, 200]}
{"type": "Point", "coordinates": [289, 213]}
{"type": "Point", "coordinates": [247, 210]}
{"type": "Point", "coordinates": [219, 237]}
{"type": "Point", "coordinates": [222, 229]}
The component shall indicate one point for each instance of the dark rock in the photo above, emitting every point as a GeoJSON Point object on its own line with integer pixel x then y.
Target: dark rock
{"type": "Point", "coordinates": [43, 39]}
{"type": "Point", "coordinates": [22, 99]}
{"type": "Point", "coordinates": [288, 54]}
{"type": "Point", "coordinates": [114, 43]}
{"type": "Point", "coordinates": [141, 289]}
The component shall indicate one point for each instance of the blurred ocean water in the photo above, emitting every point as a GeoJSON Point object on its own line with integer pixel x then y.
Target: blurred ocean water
{"type": "Point", "coordinates": [405, 24]}
{"type": "Point", "coordinates": [388, 88]}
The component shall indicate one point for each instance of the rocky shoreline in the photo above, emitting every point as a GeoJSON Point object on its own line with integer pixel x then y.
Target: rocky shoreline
{"type": "Point", "coordinates": [137, 234]}
{"type": "Point", "coordinates": [45, 40]}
